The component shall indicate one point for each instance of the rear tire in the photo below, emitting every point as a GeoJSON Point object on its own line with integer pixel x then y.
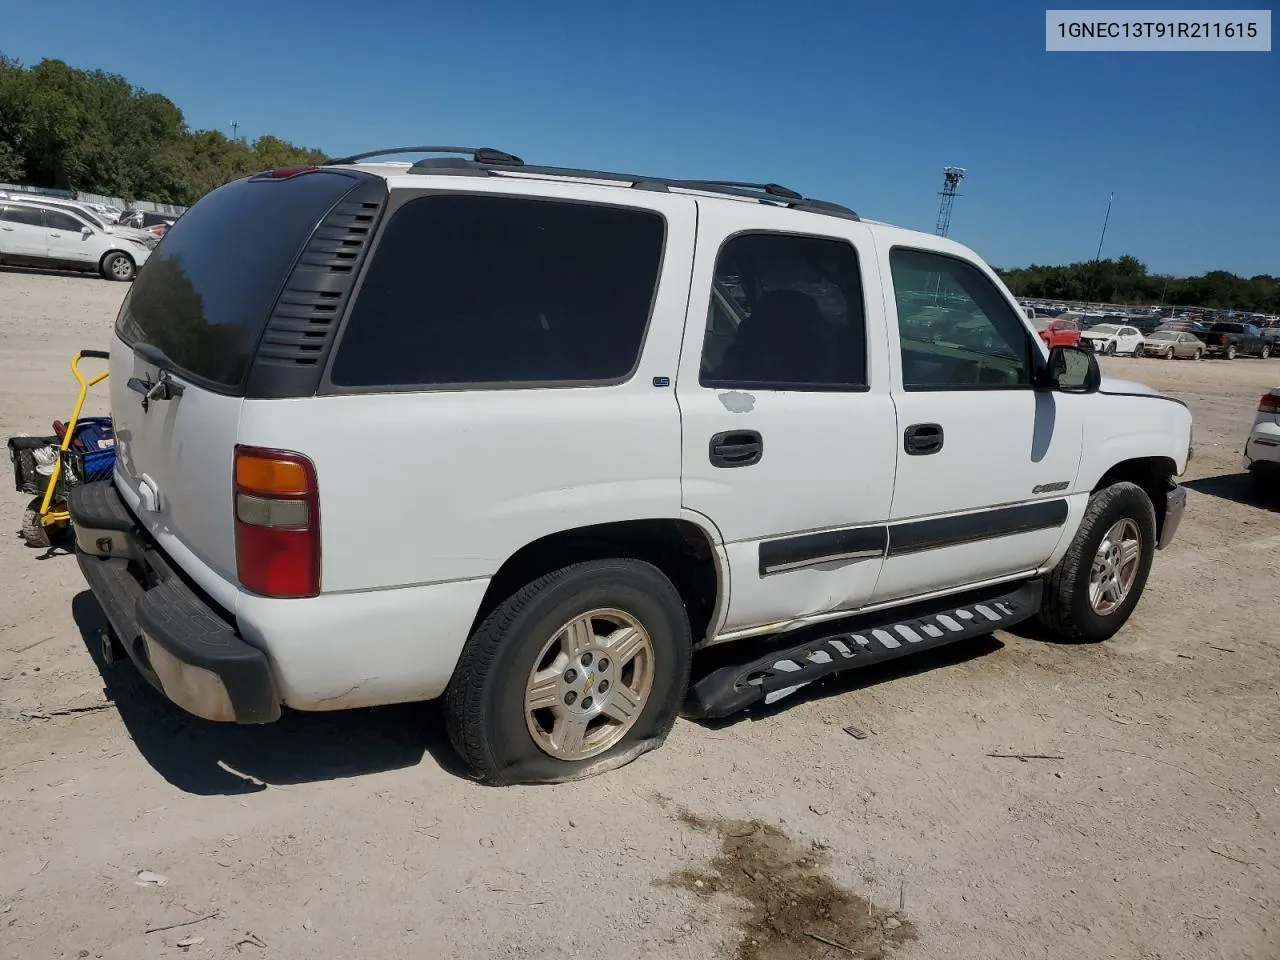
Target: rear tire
{"type": "Point", "coordinates": [536, 638]}
{"type": "Point", "coordinates": [1231, 351]}
{"type": "Point", "coordinates": [1078, 606]}
{"type": "Point", "coordinates": [34, 533]}
{"type": "Point", "coordinates": [118, 266]}
{"type": "Point", "coordinates": [1199, 355]}
{"type": "Point", "coordinates": [1265, 352]}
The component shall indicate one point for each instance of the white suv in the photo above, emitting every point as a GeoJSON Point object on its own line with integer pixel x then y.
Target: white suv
{"type": "Point", "coordinates": [530, 438]}
{"type": "Point", "coordinates": [50, 234]}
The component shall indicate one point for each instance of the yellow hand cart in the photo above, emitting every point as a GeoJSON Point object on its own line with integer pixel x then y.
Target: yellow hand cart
{"type": "Point", "coordinates": [80, 451]}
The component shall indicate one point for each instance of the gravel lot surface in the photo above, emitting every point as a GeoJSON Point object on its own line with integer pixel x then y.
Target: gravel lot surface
{"type": "Point", "coordinates": [354, 835]}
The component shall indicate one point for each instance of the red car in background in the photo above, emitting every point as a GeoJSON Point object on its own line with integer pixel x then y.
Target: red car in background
{"type": "Point", "coordinates": [1057, 333]}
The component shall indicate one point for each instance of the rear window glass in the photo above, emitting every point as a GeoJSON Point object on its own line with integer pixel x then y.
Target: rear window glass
{"type": "Point", "coordinates": [206, 293]}
{"type": "Point", "coordinates": [470, 290]}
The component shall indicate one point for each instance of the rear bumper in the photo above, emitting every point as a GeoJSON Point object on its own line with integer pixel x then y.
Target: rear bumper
{"type": "Point", "coordinates": [1175, 505]}
{"type": "Point", "coordinates": [184, 645]}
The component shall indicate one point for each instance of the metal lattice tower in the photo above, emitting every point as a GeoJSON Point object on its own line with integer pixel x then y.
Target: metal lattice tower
{"type": "Point", "coordinates": [951, 177]}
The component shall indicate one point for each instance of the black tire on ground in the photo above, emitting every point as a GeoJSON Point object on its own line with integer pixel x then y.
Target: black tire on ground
{"type": "Point", "coordinates": [1199, 355]}
{"type": "Point", "coordinates": [484, 704]}
{"type": "Point", "coordinates": [1066, 612]}
{"type": "Point", "coordinates": [1265, 352]}
{"type": "Point", "coordinates": [34, 533]}
{"type": "Point", "coordinates": [118, 266]}
{"type": "Point", "coordinates": [1111, 349]}
{"type": "Point", "coordinates": [1231, 351]}
{"type": "Point", "coordinates": [1168, 354]}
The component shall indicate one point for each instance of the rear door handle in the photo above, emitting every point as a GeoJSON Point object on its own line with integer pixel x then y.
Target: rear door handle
{"type": "Point", "coordinates": [921, 439]}
{"type": "Point", "coordinates": [735, 448]}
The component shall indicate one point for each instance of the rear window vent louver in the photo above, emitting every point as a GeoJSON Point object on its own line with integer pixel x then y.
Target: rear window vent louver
{"type": "Point", "coordinates": [305, 316]}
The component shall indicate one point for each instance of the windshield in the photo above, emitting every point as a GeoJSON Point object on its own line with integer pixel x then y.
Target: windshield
{"type": "Point", "coordinates": [1106, 328]}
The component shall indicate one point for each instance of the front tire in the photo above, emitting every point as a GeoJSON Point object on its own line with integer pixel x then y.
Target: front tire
{"type": "Point", "coordinates": [1231, 351]}
{"type": "Point", "coordinates": [1111, 349]}
{"type": "Point", "coordinates": [118, 266]}
{"type": "Point", "coordinates": [1265, 352]}
{"type": "Point", "coordinates": [1168, 354]}
{"type": "Point", "coordinates": [1095, 586]}
{"type": "Point", "coordinates": [576, 673]}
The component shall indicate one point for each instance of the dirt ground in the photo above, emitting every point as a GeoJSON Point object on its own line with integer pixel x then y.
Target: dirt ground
{"type": "Point", "coordinates": [1152, 834]}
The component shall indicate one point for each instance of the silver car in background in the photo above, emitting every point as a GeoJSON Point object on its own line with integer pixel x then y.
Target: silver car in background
{"type": "Point", "coordinates": [1169, 344]}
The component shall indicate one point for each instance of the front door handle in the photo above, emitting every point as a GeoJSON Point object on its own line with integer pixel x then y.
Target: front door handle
{"type": "Point", "coordinates": [735, 448]}
{"type": "Point", "coordinates": [921, 439]}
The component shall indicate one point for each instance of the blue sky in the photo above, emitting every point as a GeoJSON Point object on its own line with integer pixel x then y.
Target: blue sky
{"type": "Point", "coordinates": [862, 103]}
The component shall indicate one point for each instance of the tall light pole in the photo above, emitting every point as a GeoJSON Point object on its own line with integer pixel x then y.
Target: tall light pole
{"type": "Point", "coordinates": [1098, 255]}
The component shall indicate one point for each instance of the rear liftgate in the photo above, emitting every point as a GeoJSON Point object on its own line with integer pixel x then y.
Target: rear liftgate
{"type": "Point", "coordinates": [856, 642]}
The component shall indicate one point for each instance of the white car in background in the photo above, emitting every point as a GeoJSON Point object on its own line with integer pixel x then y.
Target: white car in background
{"type": "Point", "coordinates": [1113, 339]}
{"type": "Point", "coordinates": [1262, 449]}
{"type": "Point", "coordinates": [91, 212]}
{"type": "Point", "coordinates": [41, 234]}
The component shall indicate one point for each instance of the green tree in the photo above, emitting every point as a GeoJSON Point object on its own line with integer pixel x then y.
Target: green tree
{"type": "Point", "coordinates": [88, 130]}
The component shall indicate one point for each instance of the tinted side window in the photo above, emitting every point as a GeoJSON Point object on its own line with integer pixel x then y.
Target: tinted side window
{"type": "Point", "coordinates": [786, 313]}
{"type": "Point", "coordinates": [57, 220]}
{"type": "Point", "coordinates": [25, 215]}
{"type": "Point", "coordinates": [957, 331]}
{"type": "Point", "coordinates": [503, 290]}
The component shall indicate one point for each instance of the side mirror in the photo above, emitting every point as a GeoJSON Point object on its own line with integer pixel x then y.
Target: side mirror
{"type": "Point", "coordinates": [1073, 370]}
{"type": "Point", "coordinates": [86, 231]}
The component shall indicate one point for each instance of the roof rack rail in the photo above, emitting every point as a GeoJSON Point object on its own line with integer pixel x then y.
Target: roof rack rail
{"type": "Point", "coordinates": [772, 189]}
{"type": "Point", "coordinates": [772, 193]}
{"type": "Point", "coordinates": [485, 155]}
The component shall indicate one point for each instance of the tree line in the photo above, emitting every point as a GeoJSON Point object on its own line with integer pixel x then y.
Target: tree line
{"type": "Point", "coordinates": [1126, 280]}
{"type": "Point", "coordinates": [88, 130]}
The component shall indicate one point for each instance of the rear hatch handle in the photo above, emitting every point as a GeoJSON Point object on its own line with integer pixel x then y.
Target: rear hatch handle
{"type": "Point", "coordinates": [163, 387]}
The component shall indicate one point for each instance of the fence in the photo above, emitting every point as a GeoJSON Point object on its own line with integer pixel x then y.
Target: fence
{"type": "Point", "coordinates": [145, 205]}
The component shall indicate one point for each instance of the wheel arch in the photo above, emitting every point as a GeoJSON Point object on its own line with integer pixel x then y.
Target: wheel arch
{"type": "Point", "coordinates": [684, 550]}
{"type": "Point", "coordinates": [1153, 474]}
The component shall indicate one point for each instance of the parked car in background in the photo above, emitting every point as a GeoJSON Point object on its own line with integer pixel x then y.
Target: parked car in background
{"type": "Point", "coordinates": [47, 235]}
{"type": "Point", "coordinates": [1232, 339]}
{"type": "Point", "coordinates": [1057, 333]}
{"type": "Point", "coordinates": [1169, 344]}
{"type": "Point", "coordinates": [90, 213]}
{"type": "Point", "coordinates": [156, 223]}
{"type": "Point", "coordinates": [1262, 449]}
{"type": "Point", "coordinates": [1111, 339]}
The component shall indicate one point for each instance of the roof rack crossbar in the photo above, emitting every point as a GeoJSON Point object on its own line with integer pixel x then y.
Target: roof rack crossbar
{"type": "Point", "coordinates": [485, 155]}
{"type": "Point", "coordinates": [772, 193]}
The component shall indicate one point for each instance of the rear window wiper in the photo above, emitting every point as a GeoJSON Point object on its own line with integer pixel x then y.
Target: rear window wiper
{"type": "Point", "coordinates": [154, 355]}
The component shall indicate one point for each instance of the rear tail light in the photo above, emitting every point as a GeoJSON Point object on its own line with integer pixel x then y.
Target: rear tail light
{"type": "Point", "coordinates": [277, 517]}
{"type": "Point", "coordinates": [1270, 403]}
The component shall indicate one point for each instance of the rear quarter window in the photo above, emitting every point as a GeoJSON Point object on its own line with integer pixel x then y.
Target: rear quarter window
{"type": "Point", "coordinates": [206, 293]}
{"type": "Point", "coordinates": [494, 291]}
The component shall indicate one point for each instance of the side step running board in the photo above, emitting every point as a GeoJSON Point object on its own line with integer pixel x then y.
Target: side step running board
{"type": "Point", "coordinates": [858, 642]}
